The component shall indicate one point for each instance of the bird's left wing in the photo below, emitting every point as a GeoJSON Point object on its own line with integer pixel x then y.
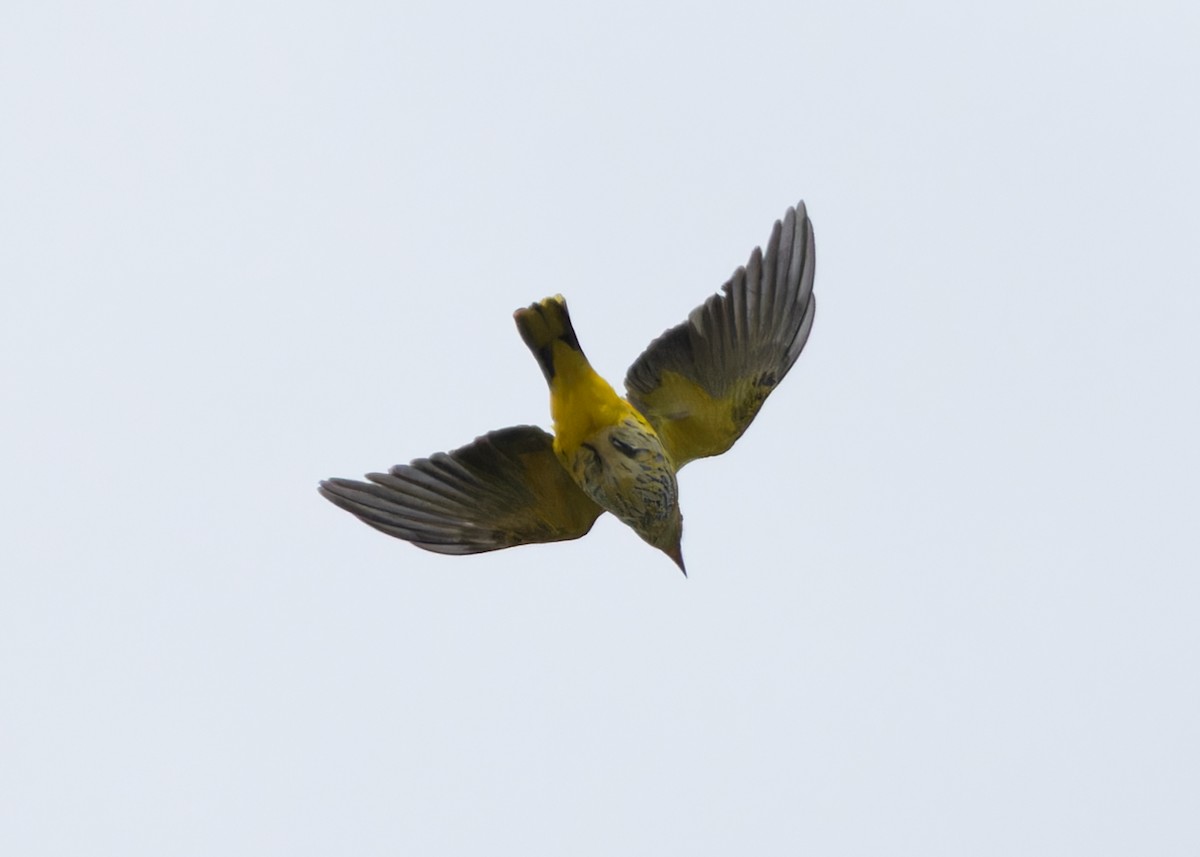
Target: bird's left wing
{"type": "Point", "coordinates": [702, 382]}
{"type": "Point", "coordinates": [505, 489]}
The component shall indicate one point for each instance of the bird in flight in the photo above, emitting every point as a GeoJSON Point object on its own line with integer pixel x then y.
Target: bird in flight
{"type": "Point", "coordinates": [691, 394]}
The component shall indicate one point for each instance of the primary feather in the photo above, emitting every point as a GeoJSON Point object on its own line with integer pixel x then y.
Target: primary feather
{"type": "Point", "coordinates": [702, 382]}
{"type": "Point", "coordinates": [505, 489]}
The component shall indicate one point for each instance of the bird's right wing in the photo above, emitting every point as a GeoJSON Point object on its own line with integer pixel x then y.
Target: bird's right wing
{"type": "Point", "coordinates": [505, 489]}
{"type": "Point", "coordinates": [702, 382]}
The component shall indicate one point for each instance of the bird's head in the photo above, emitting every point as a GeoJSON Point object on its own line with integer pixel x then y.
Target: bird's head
{"type": "Point", "coordinates": [625, 469]}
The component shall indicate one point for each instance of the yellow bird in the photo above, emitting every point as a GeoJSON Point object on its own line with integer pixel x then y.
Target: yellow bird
{"type": "Point", "coordinates": [690, 395]}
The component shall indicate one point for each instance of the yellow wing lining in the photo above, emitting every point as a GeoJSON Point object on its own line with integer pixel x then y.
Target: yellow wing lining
{"type": "Point", "coordinates": [506, 488]}
{"type": "Point", "coordinates": [702, 382]}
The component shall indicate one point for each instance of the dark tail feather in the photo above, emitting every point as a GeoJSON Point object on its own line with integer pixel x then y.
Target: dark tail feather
{"type": "Point", "coordinates": [540, 325]}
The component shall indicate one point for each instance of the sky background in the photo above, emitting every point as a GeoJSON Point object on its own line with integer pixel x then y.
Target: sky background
{"type": "Point", "coordinates": [943, 594]}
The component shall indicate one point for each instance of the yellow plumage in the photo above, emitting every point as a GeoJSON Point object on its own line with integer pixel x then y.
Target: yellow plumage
{"type": "Point", "coordinates": [691, 394]}
{"type": "Point", "coordinates": [581, 402]}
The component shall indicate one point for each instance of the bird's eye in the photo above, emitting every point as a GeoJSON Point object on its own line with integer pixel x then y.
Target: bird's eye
{"type": "Point", "coordinates": [624, 448]}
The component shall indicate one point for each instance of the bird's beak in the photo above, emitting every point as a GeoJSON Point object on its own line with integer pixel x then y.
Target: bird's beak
{"type": "Point", "coordinates": [676, 553]}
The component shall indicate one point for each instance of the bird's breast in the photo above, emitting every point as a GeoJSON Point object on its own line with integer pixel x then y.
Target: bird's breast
{"type": "Point", "coordinates": [625, 469]}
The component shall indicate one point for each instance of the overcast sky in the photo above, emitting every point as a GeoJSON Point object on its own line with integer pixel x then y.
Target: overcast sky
{"type": "Point", "coordinates": [943, 594]}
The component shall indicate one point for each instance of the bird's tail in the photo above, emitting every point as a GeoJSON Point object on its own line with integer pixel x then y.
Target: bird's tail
{"type": "Point", "coordinates": [541, 325]}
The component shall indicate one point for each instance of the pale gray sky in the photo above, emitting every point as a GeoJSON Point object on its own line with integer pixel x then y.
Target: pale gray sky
{"type": "Point", "coordinates": [943, 594]}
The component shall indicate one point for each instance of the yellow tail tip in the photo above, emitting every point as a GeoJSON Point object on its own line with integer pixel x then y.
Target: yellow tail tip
{"type": "Point", "coordinates": [541, 324]}
{"type": "Point", "coordinates": [544, 320]}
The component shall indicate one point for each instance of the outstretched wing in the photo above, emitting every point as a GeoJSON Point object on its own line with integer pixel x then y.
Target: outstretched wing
{"type": "Point", "coordinates": [505, 489]}
{"type": "Point", "coordinates": [701, 383]}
